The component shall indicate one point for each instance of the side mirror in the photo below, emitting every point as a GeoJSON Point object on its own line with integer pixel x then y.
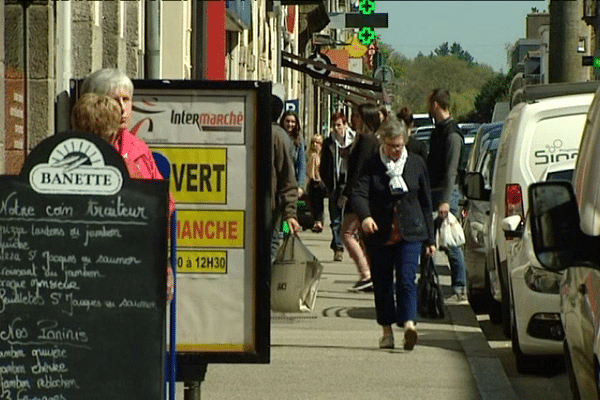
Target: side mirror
{"type": "Point", "coordinates": [512, 227]}
{"type": "Point", "coordinates": [554, 217]}
{"type": "Point", "coordinates": [475, 187]}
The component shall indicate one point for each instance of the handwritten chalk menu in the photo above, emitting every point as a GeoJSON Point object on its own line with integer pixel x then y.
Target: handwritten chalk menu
{"type": "Point", "coordinates": [83, 256]}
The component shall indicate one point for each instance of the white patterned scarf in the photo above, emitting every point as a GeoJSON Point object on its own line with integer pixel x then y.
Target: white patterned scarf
{"type": "Point", "coordinates": [395, 170]}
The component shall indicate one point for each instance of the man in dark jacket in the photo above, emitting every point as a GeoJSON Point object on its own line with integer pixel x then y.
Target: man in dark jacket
{"type": "Point", "coordinates": [445, 147]}
{"type": "Point", "coordinates": [284, 187]}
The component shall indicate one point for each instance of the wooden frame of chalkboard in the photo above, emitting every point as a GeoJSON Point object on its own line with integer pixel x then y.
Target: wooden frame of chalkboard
{"type": "Point", "coordinates": [83, 252]}
{"type": "Point", "coordinates": [255, 138]}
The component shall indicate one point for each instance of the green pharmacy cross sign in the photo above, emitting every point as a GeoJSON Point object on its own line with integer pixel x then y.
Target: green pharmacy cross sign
{"type": "Point", "coordinates": [366, 34]}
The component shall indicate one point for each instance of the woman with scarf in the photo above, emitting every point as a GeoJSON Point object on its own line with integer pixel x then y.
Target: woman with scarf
{"type": "Point", "coordinates": [393, 202]}
{"type": "Point", "coordinates": [333, 168]}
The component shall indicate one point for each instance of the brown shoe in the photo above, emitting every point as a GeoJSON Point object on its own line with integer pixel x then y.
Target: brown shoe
{"type": "Point", "coordinates": [338, 255]}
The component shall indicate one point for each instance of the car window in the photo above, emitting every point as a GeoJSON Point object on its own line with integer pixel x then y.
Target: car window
{"type": "Point", "coordinates": [564, 175]}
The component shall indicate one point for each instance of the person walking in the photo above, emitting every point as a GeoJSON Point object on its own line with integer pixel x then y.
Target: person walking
{"type": "Point", "coordinates": [291, 124]}
{"type": "Point", "coordinates": [369, 118]}
{"type": "Point", "coordinates": [333, 169]}
{"type": "Point", "coordinates": [284, 187]}
{"type": "Point", "coordinates": [315, 187]}
{"type": "Point", "coordinates": [414, 145]}
{"type": "Point", "coordinates": [445, 146]}
{"type": "Point", "coordinates": [392, 199]}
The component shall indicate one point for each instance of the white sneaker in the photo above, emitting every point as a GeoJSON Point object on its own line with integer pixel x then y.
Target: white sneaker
{"type": "Point", "coordinates": [386, 342]}
{"type": "Point", "coordinates": [456, 299]}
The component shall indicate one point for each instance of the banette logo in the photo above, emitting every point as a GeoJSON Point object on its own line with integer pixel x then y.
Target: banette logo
{"type": "Point", "coordinates": [76, 166]}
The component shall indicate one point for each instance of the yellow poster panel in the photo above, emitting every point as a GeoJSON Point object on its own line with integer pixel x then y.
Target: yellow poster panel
{"type": "Point", "coordinates": [198, 175]}
{"type": "Point", "coordinates": [215, 228]}
{"type": "Point", "coordinates": [201, 262]}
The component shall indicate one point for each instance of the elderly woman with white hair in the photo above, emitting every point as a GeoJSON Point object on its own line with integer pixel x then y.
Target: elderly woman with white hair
{"type": "Point", "coordinates": [135, 152]}
{"type": "Point", "coordinates": [393, 202]}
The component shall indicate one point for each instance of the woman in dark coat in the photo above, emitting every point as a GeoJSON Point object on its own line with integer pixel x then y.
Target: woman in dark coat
{"type": "Point", "coordinates": [393, 202]}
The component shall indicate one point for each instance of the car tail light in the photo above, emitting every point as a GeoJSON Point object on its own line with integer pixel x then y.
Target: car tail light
{"type": "Point", "coordinates": [514, 200]}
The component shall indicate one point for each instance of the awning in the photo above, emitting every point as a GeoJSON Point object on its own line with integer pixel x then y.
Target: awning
{"type": "Point", "coordinates": [364, 88]}
{"type": "Point", "coordinates": [356, 97]}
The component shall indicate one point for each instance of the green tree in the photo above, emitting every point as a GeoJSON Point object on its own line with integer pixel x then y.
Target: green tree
{"type": "Point", "coordinates": [451, 67]}
{"type": "Point", "coordinates": [493, 91]}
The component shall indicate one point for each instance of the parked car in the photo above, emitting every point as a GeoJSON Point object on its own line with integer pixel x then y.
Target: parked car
{"type": "Point", "coordinates": [565, 230]}
{"type": "Point", "coordinates": [423, 133]}
{"type": "Point", "coordinates": [483, 132]}
{"type": "Point", "coordinates": [422, 120]}
{"type": "Point", "coordinates": [468, 126]}
{"type": "Point", "coordinates": [475, 214]}
{"type": "Point", "coordinates": [534, 300]}
{"type": "Point", "coordinates": [542, 130]}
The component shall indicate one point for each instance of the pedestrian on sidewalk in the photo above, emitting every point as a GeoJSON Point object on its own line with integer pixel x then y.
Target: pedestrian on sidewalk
{"type": "Point", "coordinates": [393, 201]}
{"type": "Point", "coordinates": [369, 118]}
{"type": "Point", "coordinates": [333, 170]}
{"type": "Point", "coordinates": [445, 146]}
{"type": "Point", "coordinates": [284, 187]}
{"type": "Point", "coordinates": [291, 124]}
{"type": "Point", "coordinates": [316, 188]}
{"type": "Point", "coordinates": [414, 145]}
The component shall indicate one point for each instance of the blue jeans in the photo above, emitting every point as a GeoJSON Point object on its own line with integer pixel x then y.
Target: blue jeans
{"type": "Point", "coordinates": [402, 259]}
{"type": "Point", "coordinates": [454, 253]}
{"type": "Point", "coordinates": [335, 217]}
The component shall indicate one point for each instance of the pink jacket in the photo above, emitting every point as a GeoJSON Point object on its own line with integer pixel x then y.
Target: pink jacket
{"type": "Point", "coordinates": [139, 161]}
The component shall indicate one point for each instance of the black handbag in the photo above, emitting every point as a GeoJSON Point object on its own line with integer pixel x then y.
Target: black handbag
{"type": "Point", "coordinates": [430, 303]}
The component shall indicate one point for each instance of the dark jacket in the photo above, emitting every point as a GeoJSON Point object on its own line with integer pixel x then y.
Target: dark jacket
{"type": "Point", "coordinates": [417, 147]}
{"type": "Point", "coordinates": [365, 147]}
{"type": "Point", "coordinates": [445, 145]}
{"type": "Point", "coordinates": [284, 188]}
{"type": "Point", "coordinates": [371, 196]}
{"type": "Point", "coordinates": [328, 167]}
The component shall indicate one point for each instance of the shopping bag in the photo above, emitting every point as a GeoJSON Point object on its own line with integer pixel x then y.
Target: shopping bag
{"type": "Point", "coordinates": [295, 277]}
{"type": "Point", "coordinates": [450, 232]}
{"type": "Point", "coordinates": [430, 303]}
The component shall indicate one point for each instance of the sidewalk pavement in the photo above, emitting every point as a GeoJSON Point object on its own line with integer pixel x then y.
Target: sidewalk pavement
{"type": "Point", "coordinates": [333, 352]}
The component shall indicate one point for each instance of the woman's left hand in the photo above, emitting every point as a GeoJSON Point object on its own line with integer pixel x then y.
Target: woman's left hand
{"type": "Point", "coordinates": [369, 226]}
{"type": "Point", "coordinates": [429, 250]}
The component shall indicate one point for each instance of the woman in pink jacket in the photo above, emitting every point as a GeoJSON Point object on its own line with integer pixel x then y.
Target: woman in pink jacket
{"type": "Point", "coordinates": [135, 152]}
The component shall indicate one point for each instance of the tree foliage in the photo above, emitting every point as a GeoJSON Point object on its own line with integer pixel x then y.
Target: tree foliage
{"type": "Point", "coordinates": [493, 91]}
{"type": "Point", "coordinates": [449, 67]}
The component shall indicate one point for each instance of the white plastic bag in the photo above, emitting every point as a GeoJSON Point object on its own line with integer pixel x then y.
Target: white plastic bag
{"type": "Point", "coordinates": [295, 277]}
{"type": "Point", "coordinates": [450, 234]}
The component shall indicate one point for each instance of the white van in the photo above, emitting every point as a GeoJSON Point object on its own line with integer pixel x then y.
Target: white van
{"type": "Point", "coordinates": [544, 129]}
{"type": "Point", "coordinates": [565, 228]}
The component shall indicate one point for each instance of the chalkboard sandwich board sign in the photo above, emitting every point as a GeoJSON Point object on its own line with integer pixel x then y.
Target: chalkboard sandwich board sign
{"type": "Point", "coordinates": [83, 256]}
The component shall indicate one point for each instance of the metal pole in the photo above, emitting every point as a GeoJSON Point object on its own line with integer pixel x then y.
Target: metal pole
{"type": "Point", "coordinates": [192, 387]}
{"type": "Point", "coordinates": [63, 65]}
{"type": "Point", "coordinates": [152, 54]}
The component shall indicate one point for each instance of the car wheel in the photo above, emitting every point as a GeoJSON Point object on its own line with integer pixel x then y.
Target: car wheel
{"type": "Point", "coordinates": [494, 308]}
{"type": "Point", "coordinates": [506, 328]}
{"type": "Point", "coordinates": [526, 364]}
{"type": "Point", "coordinates": [478, 300]}
{"type": "Point", "coordinates": [571, 372]}
{"type": "Point", "coordinates": [597, 379]}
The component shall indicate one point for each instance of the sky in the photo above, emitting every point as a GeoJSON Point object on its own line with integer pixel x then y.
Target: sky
{"type": "Point", "coordinates": [483, 28]}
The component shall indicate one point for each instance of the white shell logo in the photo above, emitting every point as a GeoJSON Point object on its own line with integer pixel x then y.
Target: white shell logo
{"type": "Point", "coordinates": [76, 166]}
